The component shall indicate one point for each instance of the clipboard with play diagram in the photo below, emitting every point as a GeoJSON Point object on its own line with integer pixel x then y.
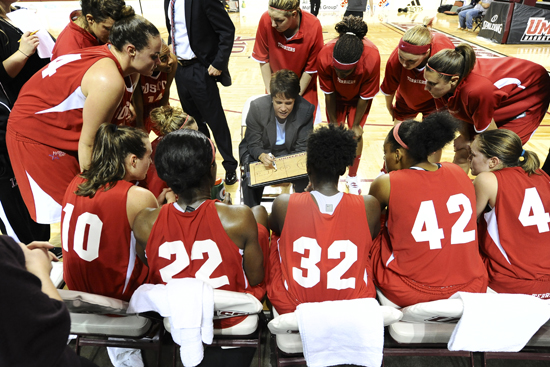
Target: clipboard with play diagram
{"type": "Point", "coordinates": [288, 167]}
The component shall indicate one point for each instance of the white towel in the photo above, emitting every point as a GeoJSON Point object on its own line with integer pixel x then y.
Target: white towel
{"type": "Point", "coordinates": [342, 332]}
{"type": "Point", "coordinates": [497, 322]}
{"type": "Point", "coordinates": [189, 305]}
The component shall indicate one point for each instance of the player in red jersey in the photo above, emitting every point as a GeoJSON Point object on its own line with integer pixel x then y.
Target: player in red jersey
{"type": "Point", "coordinates": [53, 123]}
{"type": "Point", "coordinates": [155, 89]}
{"type": "Point", "coordinates": [486, 94]}
{"type": "Point", "coordinates": [513, 201]}
{"type": "Point", "coordinates": [90, 26]}
{"type": "Point", "coordinates": [177, 236]}
{"type": "Point", "coordinates": [349, 75]}
{"type": "Point", "coordinates": [404, 77]}
{"type": "Point", "coordinates": [289, 38]}
{"type": "Point", "coordinates": [99, 209]}
{"type": "Point", "coordinates": [164, 120]}
{"type": "Point", "coordinates": [324, 236]}
{"type": "Point", "coordinates": [428, 248]}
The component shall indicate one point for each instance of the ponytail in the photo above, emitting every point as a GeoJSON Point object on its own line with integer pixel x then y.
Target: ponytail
{"type": "Point", "coordinates": [448, 62]}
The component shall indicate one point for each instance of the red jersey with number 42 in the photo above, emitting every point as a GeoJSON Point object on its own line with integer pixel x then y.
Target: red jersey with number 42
{"type": "Point", "coordinates": [323, 257]}
{"type": "Point", "coordinates": [515, 234]}
{"type": "Point", "coordinates": [432, 227]}
{"type": "Point", "coordinates": [98, 244]}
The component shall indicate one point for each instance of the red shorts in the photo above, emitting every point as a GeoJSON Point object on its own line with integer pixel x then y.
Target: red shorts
{"type": "Point", "coordinates": [345, 111]}
{"type": "Point", "coordinates": [43, 174]}
{"type": "Point", "coordinates": [402, 112]}
{"type": "Point", "coordinates": [501, 283]}
{"type": "Point", "coordinates": [404, 291]}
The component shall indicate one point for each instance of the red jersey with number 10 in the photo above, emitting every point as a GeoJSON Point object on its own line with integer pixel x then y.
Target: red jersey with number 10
{"type": "Point", "coordinates": [98, 244]}
{"type": "Point", "coordinates": [322, 257]}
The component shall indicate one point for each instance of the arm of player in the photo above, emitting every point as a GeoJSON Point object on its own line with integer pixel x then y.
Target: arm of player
{"type": "Point", "coordinates": [486, 186]}
{"type": "Point", "coordinates": [380, 189]}
{"type": "Point", "coordinates": [277, 217]}
{"type": "Point", "coordinates": [265, 68]}
{"type": "Point", "coordinates": [103, 87]}
{"type": "Point", "coordinates": [142, 227]}
{"type": "Point", "coordinates": [372, 207]}
{"type": "Point", "coordinates": [137, 200]}
{"type": "Point", "coordinates": [330, 100]}
{"type": "Point", "coordinates": [362, 107]}
{"type": "Point", "coordinates": [304, 82]}
{"type": "Point", "coordinates": [389, 104]}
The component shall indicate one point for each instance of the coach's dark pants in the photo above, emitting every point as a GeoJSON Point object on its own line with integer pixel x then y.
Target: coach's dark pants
{"type": "Point", "coordinates": [200, 97]}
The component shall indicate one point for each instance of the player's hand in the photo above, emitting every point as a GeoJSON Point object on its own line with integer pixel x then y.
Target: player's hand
{"type": "Point", "coordinates": [167, 196]}
{"type": "Point", "coordinates": [227, 200]}
{"type": "Point", "coordinates": [358, 131]}
{"type": "Point", "coordinates": [212, 71]}
{"type": "Point", "coordinates": [28, 43]}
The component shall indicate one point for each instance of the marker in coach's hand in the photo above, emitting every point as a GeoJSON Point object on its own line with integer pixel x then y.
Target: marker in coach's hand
{"type": "Point", "coordinates": [32, 33]}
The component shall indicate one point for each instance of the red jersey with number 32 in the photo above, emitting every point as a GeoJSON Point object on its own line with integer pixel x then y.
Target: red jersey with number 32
{"type": "Point", "coordinates": [324, 257]}
{"type": "Point", "coordinates": [98, 244]}
{"type": "Point", "coordinates": [515, 235]}
{"type": "Point", "coordinates": [432, 227]}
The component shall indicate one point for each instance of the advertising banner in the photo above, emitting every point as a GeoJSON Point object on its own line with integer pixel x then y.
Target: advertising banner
{"type": "Point", "coordinates": [529, 25]}
{"type": "Point", "coordinates": [494, 23]}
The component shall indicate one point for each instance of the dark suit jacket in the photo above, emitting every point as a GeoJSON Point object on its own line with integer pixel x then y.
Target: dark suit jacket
{"type": "Point", "coordinates": [211, 33]}
{"type": "Point", "coordinates": [261, 128]}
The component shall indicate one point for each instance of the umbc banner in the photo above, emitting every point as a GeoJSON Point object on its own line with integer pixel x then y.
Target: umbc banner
{"type": "Point", "coordinates": [529, 25]}
{"type": "Point", "coordinates": [494, 22]}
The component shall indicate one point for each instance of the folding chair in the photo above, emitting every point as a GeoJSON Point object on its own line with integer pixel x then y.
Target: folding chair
{"type": "Point", "coordinates": [92, 326]}
{"type": "Point", "coordinates": [246, 334]}
{"type": "Point", "coordinates": [288, 343]}
{"type": "Point", "coordinates": [425, 329]}
{"type": "Point", "coordinates": [478, 21]}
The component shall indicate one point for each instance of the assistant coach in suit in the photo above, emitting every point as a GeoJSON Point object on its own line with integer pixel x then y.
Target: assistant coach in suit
{"type": "Point", "coordinates": [202, 35]}
{"type": "Point", "coordinates": [276, 125]}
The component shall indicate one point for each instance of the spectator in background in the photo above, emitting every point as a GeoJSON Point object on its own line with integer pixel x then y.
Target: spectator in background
{"type": "Point", "coordinates": [466, 17]}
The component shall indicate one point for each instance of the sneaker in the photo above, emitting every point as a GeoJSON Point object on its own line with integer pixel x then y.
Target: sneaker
{"type": "Point", "coordinates": [230, 178]}
{"type": "Point", "coordinates": [459, 28]}
{"type": "Point", "coordinates": [353, 185]}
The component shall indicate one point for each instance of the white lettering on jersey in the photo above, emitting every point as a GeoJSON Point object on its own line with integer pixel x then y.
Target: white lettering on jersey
{"type": "Point", "coordinates": [284, 47]}
{"type": "Point", "coordinates": [343, 81]}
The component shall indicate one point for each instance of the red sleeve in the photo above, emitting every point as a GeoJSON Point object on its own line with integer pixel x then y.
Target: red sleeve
{"type": "Point", "coordinates": [325, 70]}
{"type": "Point", "coordinates": [480, 104]}
{"type": "Point", "coordinates": [316, 47]}
{"type": "Point", "coordinates": [392, 75]}
{"type": "Point", "coordinates": [369, 87]}
{"type": "Point", "coordinates": [261, 49]}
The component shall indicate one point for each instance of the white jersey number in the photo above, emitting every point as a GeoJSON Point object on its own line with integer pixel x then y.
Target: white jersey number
{"type": "Point", "coordinates": [309, 264]}
{"type": "Point", "coordinates": [182, 261]}
{"type": "Point", "coordinates": [426, 227]}
{"type": "Point", "coordinates": [532, 203]}
{"type": "Point", "coordinates": [85, 220]}
{"type": "Point", "coordinates": [59, 62]}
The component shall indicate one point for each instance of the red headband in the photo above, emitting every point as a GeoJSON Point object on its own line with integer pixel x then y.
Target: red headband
{"type": "Point", "coordinates": [439, 72]}
{"type": "Point", "coordinates": [182, 125]}
{"type": "Point", "coordinates": [340, 66]}
{"type": "Point", "coordinates": [285, 10]}
{"type": "Point", "coordinates": [413, 49]}
{"type": "Point", "coordinates": [397, 138]}
{"type": "Point", "coordinates": [213, 151]}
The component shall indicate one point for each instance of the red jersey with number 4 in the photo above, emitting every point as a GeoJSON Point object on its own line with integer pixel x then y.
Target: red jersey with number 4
{"type": "Point", "coordinates": [409, 84]}
{"type": "Point", "coordinates": [513, 92]}
{"type": "Point", "coordinates": [515, 234]}
{"type": "Point", "coordinates": [321, 257]}
{"type": "Point", "coordinates": [49, 107]}
{"type": "Point", "coordinates": [298, 53]}
{"type": "Point", "coordinates": [98, 244]}
{"type": "Point", "coordinates": [364, 80]}
{"type": "Point", "coordinates": [432, 227]}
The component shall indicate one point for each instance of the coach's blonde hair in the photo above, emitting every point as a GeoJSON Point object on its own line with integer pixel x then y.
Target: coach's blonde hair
{"type": "Point", "coordinates": [506, 146]}
{"type": "Point", "coordinates": [167, 119]}
{"type": "Point", "coordinates": [420, 35]}
{"type": "Point", "coordinates": [287, 6]}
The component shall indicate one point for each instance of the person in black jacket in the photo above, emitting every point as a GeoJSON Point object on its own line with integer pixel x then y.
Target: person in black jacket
{"type": "Point", "coordinates": [202, 41]}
